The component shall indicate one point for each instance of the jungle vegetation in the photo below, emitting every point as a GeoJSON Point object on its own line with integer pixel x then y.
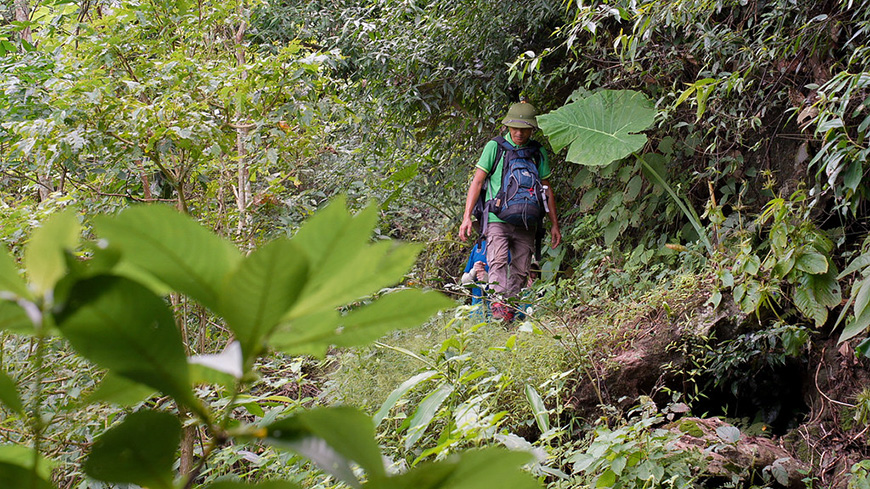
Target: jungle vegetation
{"type": "Point", "coordinates": [230, 243]}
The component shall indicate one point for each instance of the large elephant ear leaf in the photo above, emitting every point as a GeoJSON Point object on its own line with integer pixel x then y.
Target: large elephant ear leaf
{"type": "Point", "coordinates": [600, 128]}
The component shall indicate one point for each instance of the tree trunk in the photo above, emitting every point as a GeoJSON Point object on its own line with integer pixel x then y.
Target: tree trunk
{"type": "Point", "coordinates": [43, 178]}
{"type": "Point", "coordinates": [22, 14]}
{"type": "Point", "coordinates": [244, 185]}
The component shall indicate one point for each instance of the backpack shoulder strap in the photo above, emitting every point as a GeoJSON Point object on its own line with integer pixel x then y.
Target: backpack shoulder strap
{"type": "Point", "coordinates": [482, 200]}
{"type": "Point", "coordinates": [503, 146]}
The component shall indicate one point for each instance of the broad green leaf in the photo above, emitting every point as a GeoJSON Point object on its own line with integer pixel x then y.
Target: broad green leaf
{"type": "Point", "coordinates": [607, 479]}
{"type": "Point", "coordinates": [313, 332]}
{"type": "Point", "coordinates": [425, 413]}
{"type": "Point", "coordinates": [825, 287]}
{"type": "Point", "coordinates": [632, 189]}
{"type": "Point", "coordinates": [398, 310]}
{"type": "Point", "coordinates": [400, 391]}
{"type": "Point", "coordinates": [582, 461]}
{"type": "Point", "coordinates": [16, 469]}
{"type": "Point", "coordinates": [15, 319]}
{"type": "Point", "coordinates": [140, 450]}
{"type": "Point", "coordinates": [274, 484]}
{"type": "Point", "coordinates": [600, 128]}
{"type": "Point", "coordinates": [366, 270]}
{"type": "Point", "coordinates": [715, 299]}
{"type": "Point", "coordinates": [45, 255]}
{"type": "Point", "coordinates": [332, 232]}
{"type": "Point", "coordinates": [752, 264]}
{"type": "Point", "coordinates": [779, 237]}
{"type": "Point", "coordinates": [122, 326]}
{"type": "Point", "coordinates": [815, 293]}
{"type": "Point", "coordinates": [260, 291]}
{"type": "Point", "coordinates": [10, 281]}
{"type": "Point", "coordinates": [784, 266]}
{"type": "Point", "coordinates": [780, 473]}
{"type": "Point", "coordinates": [491, 468]}
{"type": "Point", "coordinates": [330, 437]}
{"type": "Point", "coordinates": [811, 262]}
{"type": "Point", "coordinates": [114, 389]}
{"type": "Point", "coordinates": [307, 335]}
{"type": "Point", "coordinates": [618, 465]}
{"type": "Point", "coordinates": [749, 294]}
{"type": "Point", "coordinates": [611, 232]}
{"type": "Point", "coordinates": [173, 248]}
{"type": "Point", "coordinates": [344, 266]}
{"type": "Point", "coordinates": [542, 415]}
{"type": "Point", "coordinates": [809, 306]}
{"type": "Point", "coordinates": [9, 394]}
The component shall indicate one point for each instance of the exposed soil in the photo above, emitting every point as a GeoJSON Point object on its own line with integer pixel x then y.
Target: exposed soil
{"type": "Point", "coordinates": [800, 412]}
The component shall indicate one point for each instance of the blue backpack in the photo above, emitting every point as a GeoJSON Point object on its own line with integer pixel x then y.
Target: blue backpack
{"type": "Point", "coordinates": [521, 200]}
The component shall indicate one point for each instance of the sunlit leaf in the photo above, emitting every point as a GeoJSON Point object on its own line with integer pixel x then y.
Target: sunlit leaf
{"type": "Point", "coordinates": [44, 257]}
{"type": "Point", "coordinates": [173, 248]}
{"type": "Point", "coordinates": [344, 265]}
{"type": "Point", "coordinates": [398, 310]}
{"type": "Point", "coordinates": [314, 333]}
{"type": "Point", "coordinates": [811, 262]}
{"type": "Point", "coordinates": [400, 391]}
{"type": "Point", "coordinates": [600, 128]}
{"type": "Point", "coordinates": [307, 335]}
{"type": "Point", "coordinates": [607, 479]}
{"type": "Point", "coordinates": [262, 289]}
{"type": "Point", "coordinates": [425, 413]}
{"type": "Point", "coordinates": [140, 450]}
{"type": "Point", "coordinates": [122, 326]}
{"type": "Point", "coordinates": [542, 415]}
{"type": "Point", "coordinates": [367, 269]}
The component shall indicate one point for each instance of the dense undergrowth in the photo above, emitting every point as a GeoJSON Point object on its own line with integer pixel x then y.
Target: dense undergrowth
{"type": "Point", "coordinates": [720, 270]}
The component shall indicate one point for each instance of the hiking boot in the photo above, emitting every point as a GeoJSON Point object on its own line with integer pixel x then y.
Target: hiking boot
{"type": "Point", "coordinates": [502, 311]}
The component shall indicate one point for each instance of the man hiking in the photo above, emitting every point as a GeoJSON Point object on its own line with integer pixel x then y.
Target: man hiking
{"type": "Point", "coordinates": [515, 170]}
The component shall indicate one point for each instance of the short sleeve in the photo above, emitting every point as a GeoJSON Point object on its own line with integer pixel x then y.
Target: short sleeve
{"type": "Point", "coordinates": [544, 166]}
{"type": "Point", "coordinates": [487, 158]}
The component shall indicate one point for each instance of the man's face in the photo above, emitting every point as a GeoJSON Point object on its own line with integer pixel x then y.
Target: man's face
{"type": "Point", "coordinates": [520, 136]}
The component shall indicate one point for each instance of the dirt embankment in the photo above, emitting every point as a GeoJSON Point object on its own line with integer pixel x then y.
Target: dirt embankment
{"type": "Point", "coordinates": [800, 419]}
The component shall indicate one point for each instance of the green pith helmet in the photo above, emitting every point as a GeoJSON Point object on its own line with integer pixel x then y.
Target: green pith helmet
{"type": "Point", "coordinates": [521, 115]}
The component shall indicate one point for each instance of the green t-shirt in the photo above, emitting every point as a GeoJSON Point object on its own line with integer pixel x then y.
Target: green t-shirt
{"type": "Point", "coordinates": [487, 160]}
